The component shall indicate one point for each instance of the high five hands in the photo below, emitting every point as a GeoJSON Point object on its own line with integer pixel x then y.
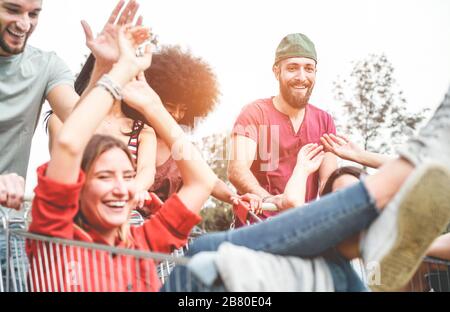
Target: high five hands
{"type": "Point", "coordinates": [104, 47]}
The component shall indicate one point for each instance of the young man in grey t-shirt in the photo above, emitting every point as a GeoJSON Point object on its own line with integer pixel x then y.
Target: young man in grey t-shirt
{"type": "Point", "coordinates": [29, 77]}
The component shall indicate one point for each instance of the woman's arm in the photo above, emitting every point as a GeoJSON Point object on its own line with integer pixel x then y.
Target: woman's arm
{"type": "Point", "coordinates": [68, 148]}
{"type": "Point", "coordinates": [54, 125]}
{"type": "Point", "coordinates": [198, 178]}
{"type": "Point", "coordinates": [309, 160]}
{"type": "Point", "coordinates": [146, 165]}
{"type": "Point", "coordinates": [104, 47]}
{"type": "Point", "coordinates": [222, 192]}
{"type": "Point", "coordinates": [346, 149]}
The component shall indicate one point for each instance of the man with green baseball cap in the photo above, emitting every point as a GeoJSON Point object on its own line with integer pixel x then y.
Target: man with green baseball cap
{"type": "Point", "coordinates": [269, 133]}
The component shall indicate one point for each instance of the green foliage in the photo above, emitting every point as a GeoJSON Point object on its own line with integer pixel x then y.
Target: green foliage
{"type": "Point", "coordinates": [374, 109]}
{"type": "Point", "coordinates": [217, 215]}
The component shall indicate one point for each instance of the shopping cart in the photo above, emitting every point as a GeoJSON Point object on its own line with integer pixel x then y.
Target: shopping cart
{"type": "Point", "coordinates": [58, 265]}
{"type": "Point", "coordinates": [74, 266]}
{"type": "Point", "coordinates": [9, 220]}
{"type": "Point", "coordinates": [165, 267]}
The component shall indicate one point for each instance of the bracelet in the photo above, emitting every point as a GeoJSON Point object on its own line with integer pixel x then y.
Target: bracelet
{"type": "Point", "coordinates": [110, 86]}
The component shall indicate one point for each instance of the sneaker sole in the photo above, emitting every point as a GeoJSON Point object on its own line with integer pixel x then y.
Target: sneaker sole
{"type": "Point", "coordinates": [432, 193]}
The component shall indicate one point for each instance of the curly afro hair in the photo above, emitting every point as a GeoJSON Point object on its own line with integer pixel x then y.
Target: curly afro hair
{"type": "Point", "coordinates": [178, 77]}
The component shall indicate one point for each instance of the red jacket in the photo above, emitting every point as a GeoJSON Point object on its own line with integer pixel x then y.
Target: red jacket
{"type": "Point", "coordinates": [61, 268]}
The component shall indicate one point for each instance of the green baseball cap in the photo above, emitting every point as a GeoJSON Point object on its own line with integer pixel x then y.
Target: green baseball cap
{"type": "Point", "coordinates": [295, 45]}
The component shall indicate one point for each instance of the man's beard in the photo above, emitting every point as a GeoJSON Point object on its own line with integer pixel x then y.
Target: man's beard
{"type": "Point", "coordinates": [7, 49]}
{"type": "Point", "coordinates": [296, 101]}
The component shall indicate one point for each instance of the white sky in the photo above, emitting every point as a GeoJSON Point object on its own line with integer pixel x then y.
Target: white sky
{"type": "Point", "coordinates": [239, 38]}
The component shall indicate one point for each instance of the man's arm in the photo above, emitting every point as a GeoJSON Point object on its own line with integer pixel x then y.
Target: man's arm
{"type": "Point", "coordinates": [243, 152]}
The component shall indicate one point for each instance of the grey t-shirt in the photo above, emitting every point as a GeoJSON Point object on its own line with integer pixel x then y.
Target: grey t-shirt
{"type": "Point", "coordinates": [25, 81]}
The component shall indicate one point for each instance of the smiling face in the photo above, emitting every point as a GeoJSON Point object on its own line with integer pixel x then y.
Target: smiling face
{"type": "Point", "coordinates": [107, 197]}
{"type": "Point", "coordinates": [296, 77]}
{"type": "Point", "coordinates": [18, 19]}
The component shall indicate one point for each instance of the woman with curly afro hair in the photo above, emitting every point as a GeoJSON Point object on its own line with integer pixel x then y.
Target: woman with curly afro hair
{"type": "Point", "coordinates": [189, 91]}
{"type": "Point", "coordinates": [186, 84]}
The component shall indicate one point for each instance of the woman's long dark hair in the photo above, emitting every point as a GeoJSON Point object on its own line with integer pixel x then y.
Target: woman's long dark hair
{"type": "Point", "coordinates": [339, 172]}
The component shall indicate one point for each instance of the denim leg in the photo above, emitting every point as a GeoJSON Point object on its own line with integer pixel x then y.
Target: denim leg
{"type": "Point", "coordinates": [305, 231]}
{"type": "Point", "coordinates": [345, 279]}
{"type": "Point", "coordinates": [182, 280]}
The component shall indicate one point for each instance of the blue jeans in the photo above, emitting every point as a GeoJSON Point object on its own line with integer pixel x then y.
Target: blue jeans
{"type": "Point", "coordinates": [309, 231]}
{"type": "Point", "coordinates": [344, 277]}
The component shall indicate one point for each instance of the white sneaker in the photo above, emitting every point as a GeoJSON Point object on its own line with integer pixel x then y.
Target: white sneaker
{"type": "Point", "coordinates": [399, 237]}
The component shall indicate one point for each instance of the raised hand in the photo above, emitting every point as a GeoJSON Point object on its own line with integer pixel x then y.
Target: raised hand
{"type": "Point", "coordinates": [127, 16]}
{"type": "Point", "coordinates": [139, 95]}
{"type": "Point", "coordinates": [129, 39]}
{"type": "Point", "coordinates": [104, 47]}
{"type": "Point", "coordinates": [341, 146]}
{"type": "Point", "coordinates": [310, 157]}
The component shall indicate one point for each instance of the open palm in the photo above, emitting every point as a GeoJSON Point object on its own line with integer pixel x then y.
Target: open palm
{"type": "Point", "coordinates": [104, 47]}
{"type": "Point", "coordinates": [340, 146]}
{"type": "Point", "coordinates": [310, 157]}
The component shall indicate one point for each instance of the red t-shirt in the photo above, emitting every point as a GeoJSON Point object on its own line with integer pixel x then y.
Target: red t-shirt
{"type": "Point", "coordinates": [55, 206]}
{"type": "Point", "coordinates": [269, 128]}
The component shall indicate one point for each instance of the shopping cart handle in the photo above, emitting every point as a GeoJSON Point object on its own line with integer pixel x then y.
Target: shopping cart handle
{"type": "Point", "coordinates": [269, 207]}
